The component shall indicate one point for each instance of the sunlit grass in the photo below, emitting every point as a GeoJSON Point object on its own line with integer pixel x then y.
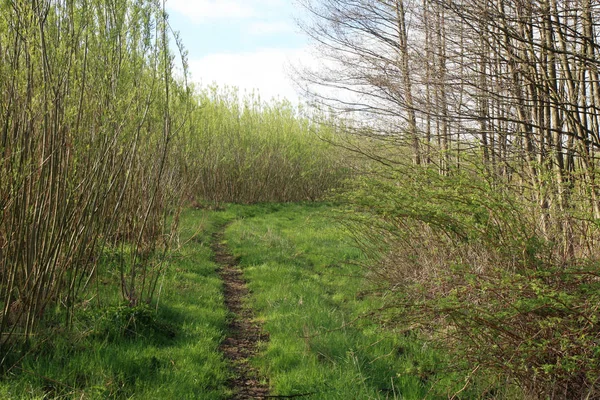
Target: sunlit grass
{"type": "Point", "coordinates": [307, 289]}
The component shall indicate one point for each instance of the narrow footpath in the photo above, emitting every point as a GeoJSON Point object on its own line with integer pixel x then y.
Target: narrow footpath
{"type": "Point", "coordinates": [244, 333]}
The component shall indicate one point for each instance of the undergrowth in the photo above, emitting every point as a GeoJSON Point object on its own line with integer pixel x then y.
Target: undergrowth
{"type": "Point", "coordinates": [470, 260]}
{"type": "Point", "coordinates": [167, 350]}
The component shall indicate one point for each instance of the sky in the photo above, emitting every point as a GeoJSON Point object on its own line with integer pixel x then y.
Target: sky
{"type": "Point", "coordinates": [250, 44]}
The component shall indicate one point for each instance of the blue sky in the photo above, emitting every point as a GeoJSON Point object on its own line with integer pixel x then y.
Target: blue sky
{"type": "Point", "coordinates": [246, 43]}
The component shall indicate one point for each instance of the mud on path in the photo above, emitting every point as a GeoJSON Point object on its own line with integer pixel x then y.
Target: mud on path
{"type": "Point", "coordinates": [244, 333]}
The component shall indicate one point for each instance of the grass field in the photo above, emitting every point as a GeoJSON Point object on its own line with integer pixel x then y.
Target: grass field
{"type": "Point", "coordinates": [306, 288]}
{"type": "Point", "coordinates": [310, 294]}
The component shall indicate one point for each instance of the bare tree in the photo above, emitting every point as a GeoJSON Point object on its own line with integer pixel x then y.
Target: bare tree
{"type": "Point", "coordinates": [514, 80]}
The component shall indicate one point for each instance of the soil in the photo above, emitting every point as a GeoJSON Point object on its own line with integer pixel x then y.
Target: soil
{"type": "Point", "coordinates": [244, 334]}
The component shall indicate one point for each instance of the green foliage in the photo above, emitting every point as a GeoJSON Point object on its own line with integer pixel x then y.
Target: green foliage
{"type": "Point", "coordinates": [119, 352]}
{"type": "Point", "coordinates": [466, 257]}
{"type": "Point", "coordinates": [245, 150]}
{"type": "Point", "coordinates": [87, 100]}
{"type": "Point", "coordinates": [100, 143]}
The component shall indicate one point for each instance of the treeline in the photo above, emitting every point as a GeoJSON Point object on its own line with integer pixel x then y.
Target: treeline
{"type": "Point", "coordinates": [101, 144]}
{"type": "Point", "coordinates": [517, 79]}
{"type": "Point", "coordinates": [87, 104]}
{"type": "Point", "coordinates": [246, 151]}
{"type": "Point", "coordinates": [482, 201]}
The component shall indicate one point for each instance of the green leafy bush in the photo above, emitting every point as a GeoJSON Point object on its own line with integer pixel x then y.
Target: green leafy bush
{"type": "Point", "coordinates": [468, 260]}
{"type": "Point", "coordinates": [246, 150]}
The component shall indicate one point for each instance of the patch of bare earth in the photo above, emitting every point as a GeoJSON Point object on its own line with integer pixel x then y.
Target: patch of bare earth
{"type": "Point", "coordinates": [244, 333]}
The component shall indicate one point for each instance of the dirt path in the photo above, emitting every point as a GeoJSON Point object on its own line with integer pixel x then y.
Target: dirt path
{"type": "Point", "coordinates": [244, 333]}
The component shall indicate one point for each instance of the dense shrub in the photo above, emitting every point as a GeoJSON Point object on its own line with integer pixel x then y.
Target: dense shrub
{"type": "Point", "coordinates": [100, 142]}
{"type": "Point", "coordinates": [88, 107]}
{"type": "Point", "coordinates": [245, 150]}
{"type": "Point", "coordinates": [468, 260]}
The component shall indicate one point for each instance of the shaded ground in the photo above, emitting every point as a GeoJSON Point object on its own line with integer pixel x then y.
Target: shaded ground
{"type": "Point", "coordinates": [244, 333]}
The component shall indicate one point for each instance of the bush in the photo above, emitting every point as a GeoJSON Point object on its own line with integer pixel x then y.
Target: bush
{"type": "Point", "coordinates": [245, 150]}
{"type": "Point", "coordinates": [468, 261]}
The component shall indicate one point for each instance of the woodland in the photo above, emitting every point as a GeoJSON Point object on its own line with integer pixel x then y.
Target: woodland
{"type": "Point", "coordinates": [453, 143]}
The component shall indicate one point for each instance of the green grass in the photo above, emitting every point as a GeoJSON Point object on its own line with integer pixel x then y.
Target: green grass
{"type": "Point", "coordinates": [306, 288]}
{"type": "Point", "coordinates": [169, 355]}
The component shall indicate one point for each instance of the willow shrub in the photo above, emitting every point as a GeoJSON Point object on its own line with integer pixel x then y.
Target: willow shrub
{"type": "Point", "coordinates": [464, 256]}
{"type": "Point", "coordinates": [246, 150]}
{"type": "Point", "coordinates": [89, 110]}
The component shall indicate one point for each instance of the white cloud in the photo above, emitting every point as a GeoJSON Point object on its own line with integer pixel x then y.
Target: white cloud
{"type": "Point", "coordinates": [200, 10]}
{"type": "Point", "coordinates": [265, 70]}
{"type": "Point", "coordinates": [270, 28]}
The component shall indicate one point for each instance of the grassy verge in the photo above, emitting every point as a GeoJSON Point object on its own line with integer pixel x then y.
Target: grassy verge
{"type": "Point", "coordinates": [309, 292]}
{"type": "Point", "coordinates": [118, 352]}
